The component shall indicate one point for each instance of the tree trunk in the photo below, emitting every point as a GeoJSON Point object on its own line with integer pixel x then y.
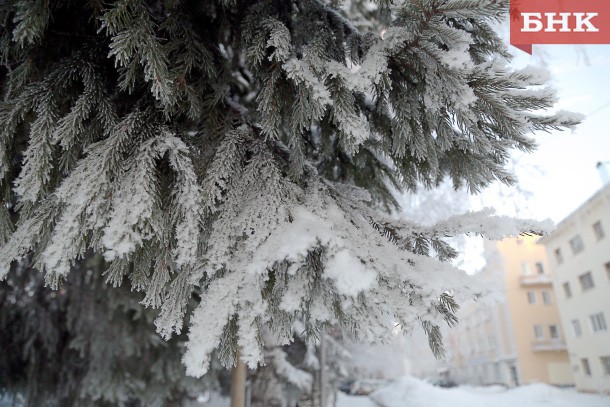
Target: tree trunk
{"type": "Point", "coordinates": [323, 379]}
{"type": "Point", "coordinates": [238, 382]}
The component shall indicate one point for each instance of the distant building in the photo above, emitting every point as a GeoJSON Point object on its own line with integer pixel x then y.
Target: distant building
{"type": "Point", "coordinates": [520, 340]}
{"type": "Point", "coordinates": [579, 250]}
{"type": "Point", "coordinates": [481, 352]}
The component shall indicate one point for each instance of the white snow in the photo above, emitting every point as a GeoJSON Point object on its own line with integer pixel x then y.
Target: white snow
{"type": "Point", "coordinates": [300, 378]}
{"type": "Point", "coordinates": [209, 399]}
{"type": "Point", "coordinates": [412, 392]}
{"type": "Point", "coordinates": [344, 400]}
{"type": "Point", "coordinates": [349, 274]}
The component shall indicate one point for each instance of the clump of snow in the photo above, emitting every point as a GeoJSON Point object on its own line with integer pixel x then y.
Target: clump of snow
{"type": "Point", "coordinates": [300, 378]}
{"type": "Point", "coordinates": [349, 274]}
{"type": "Point", "coordinates": [210, 399]}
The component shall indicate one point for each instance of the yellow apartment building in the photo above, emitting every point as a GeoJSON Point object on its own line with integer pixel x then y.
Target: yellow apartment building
{"type": "Point", "coordinates": [520, 339]}
{"type": "Point", "coordinates": [579, 250]}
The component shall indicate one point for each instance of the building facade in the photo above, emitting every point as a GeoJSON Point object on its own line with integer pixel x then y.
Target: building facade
{"type": "Point", "coordinates": [481, 352]}
{"type": "Point", "coordinates": [520, 339]}
{"type": "Point", "coordinates": [579, 253]}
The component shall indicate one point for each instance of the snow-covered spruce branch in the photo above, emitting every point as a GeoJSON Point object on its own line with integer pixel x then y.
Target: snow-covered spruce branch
{"type": "Point", "coordinates": [237, 164]}
{"type": "Point", "coordinates": [133, 42]}
{"type": "Point", "coordinates": [482, 223]}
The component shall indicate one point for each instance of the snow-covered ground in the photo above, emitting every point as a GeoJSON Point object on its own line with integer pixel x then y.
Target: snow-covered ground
{"type": "Point", "coordinates": [412, 392]}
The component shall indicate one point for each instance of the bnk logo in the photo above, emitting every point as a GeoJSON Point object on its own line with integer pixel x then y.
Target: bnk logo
{"type": "Point", "coordinates": [559, 22]}
{"type": "Point", "coordinates": [532, 22]}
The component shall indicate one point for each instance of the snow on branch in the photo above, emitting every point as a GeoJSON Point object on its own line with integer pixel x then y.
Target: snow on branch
{"type": "Point", "coordinates": [237, 164]}
{"type": "Point", "coordinates": [300, 378]}
{"type": "Point", "coordinates": [491, 226]}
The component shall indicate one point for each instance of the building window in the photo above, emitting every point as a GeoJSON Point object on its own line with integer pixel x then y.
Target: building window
{"type": "Point", "coordinates": [598, 322]}
{"type": "Point", "coordinates": [554, 331]}
{"type": "Point", "coordinates": [558, 256]}
{"type": "Point", "coordinates": [576, 328]}
{"type": "Point", "coordinates": [586, 281]}
{"type": "Point", "coordinates": [598, 230]}
{"type": "Point", "coordinates": [566, 289]}
{"type": "Point", "coordinates": [605, 364]}
{"type": "Point", "coordinates": [547, 298]}
{"type": "Point", "coordinates": [585, 366]}
{"type": "Point", "coordinates": [576, 244]}
{"type": "Point", "coordinates": [525, 268]}
{"type": "Point", "coordinates": [531, 297]}
{"type": "Point", "coordinates": [539, 268]}
{"type": "Point", "coordinates": [538, 334]}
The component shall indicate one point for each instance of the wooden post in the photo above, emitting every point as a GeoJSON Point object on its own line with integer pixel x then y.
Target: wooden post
{"type": "Point", "coordinates": [238, 382]}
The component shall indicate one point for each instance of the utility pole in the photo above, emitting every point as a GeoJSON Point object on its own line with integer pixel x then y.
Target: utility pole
{"type": "Point", "coordinates": [238, 382]}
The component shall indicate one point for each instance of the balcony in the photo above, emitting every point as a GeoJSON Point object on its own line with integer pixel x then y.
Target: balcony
{"type": "Point", "coordinates": [535, 280]}
{"type": "Point", "coordinates": [549, 345]}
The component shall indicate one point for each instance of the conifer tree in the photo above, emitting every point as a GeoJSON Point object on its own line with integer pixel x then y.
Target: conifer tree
{"type": "Point", "coordinates": [245, 154]}
{"type": "Point", "coordinates": [88, 344]}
